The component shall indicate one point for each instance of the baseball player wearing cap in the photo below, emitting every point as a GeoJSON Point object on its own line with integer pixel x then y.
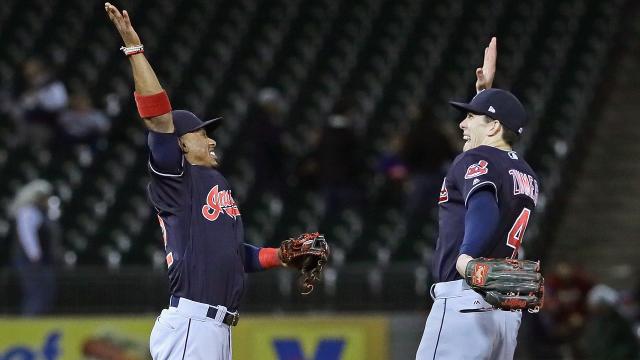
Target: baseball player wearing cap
{"type": "Point", "coordinates": [201, 225]}
{"type": "Point", "coordinates": [486, 202]}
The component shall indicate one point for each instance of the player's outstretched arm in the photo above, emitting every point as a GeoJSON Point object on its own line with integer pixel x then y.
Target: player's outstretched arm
{"type": "Point", "coordinates": [486, 73]}
{"type": "Point", "coordinates": [261, 258]}
{"type": "Point", "coordinates": [149, 93]}
{"type": "Point", "coordinates": [308, 253]}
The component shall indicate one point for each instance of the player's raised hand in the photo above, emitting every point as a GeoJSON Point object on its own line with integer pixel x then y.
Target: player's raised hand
{"type": "Point", "coordinates": [486, 74]}
{"type": "Point", "coordinates": [123, 25]}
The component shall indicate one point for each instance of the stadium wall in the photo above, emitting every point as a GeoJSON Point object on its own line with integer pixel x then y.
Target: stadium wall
{"type": "Point", "coordinates": [257, 337]}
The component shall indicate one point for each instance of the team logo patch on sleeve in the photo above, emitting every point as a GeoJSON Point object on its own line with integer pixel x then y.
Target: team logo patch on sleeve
{"type": "Point", "coordinates": [477, 169]}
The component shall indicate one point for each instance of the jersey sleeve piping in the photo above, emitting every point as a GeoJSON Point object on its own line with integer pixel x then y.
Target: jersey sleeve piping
{"type": "Point", "coordinates": [167, 175]}
{"type": "Point", "coordinates": [478, 186]}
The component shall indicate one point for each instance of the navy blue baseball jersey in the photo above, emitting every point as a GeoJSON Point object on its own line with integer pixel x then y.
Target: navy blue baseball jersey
{"type": "Point", "coordinates": [202, 230]}
{"type": "Point", "coordinates": [516, 189]}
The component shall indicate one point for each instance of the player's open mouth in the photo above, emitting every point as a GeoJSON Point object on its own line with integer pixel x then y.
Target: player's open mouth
{"type": "Point", "coordinates": [213, 154]}
{"type": "Point", "coordinates": [466, 137]}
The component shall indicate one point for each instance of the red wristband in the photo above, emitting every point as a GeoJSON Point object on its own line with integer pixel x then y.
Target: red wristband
{"type": "Point", "coordinates": [268, 258]}
{"type": "Point", "coordinates": [152, 105]}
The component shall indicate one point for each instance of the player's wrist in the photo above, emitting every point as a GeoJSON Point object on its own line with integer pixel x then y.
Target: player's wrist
{"type": "Point", "coordinates": [462, 263]}
{"type": "Point", "coordinates": [132, 49]}
{"type": "Point", "coordinates": [269, 258]}
{"type": "Point", "coordinates": [282, 263]}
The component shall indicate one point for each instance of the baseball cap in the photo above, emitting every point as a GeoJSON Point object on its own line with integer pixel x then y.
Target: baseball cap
{"type": "Point", "coordinates": [499, 105]}
{"type": "Point", "coordinates": [185, 122]}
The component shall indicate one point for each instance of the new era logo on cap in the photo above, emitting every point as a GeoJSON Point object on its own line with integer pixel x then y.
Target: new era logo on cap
{"type": "Point", "coordinates": [491, 109]}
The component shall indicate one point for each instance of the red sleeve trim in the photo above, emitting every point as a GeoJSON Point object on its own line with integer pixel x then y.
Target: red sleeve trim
{"type": "Point", "coordinates": [152, 105]}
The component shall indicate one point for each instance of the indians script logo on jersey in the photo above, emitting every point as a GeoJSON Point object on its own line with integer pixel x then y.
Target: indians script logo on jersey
{"type": "Point", "coordinates": [217, 202]}
{"type": "Point", "coordinates": [477, 169]}
{"type": "Point", "coordinates": [444, 193]}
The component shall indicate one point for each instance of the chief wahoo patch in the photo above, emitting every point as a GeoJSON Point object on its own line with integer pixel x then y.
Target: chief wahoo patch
{"type": "Point", "coordinates": [477, 169]}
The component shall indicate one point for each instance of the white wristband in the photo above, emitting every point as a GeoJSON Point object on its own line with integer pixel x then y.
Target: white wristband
{"type": "Point", "coordinates": [132, 50]}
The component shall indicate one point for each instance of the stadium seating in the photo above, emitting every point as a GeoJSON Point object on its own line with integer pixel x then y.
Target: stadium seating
{"type": "Point", "coordinates": [213, 57]}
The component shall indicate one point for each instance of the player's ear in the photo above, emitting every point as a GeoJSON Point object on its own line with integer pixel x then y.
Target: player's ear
{"type": "Point", "coordinates": [495, 128]}
{"type": "Point", "coordinates": [183, 146]}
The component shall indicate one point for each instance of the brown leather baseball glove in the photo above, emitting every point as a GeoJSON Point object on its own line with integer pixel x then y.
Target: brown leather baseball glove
{"type": "Point", "coordinates": [309, 253]}
{"type": "Point", "coordinates": [507, 284]}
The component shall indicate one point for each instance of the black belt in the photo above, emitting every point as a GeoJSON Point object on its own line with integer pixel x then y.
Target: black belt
{"type": "Point", "coordinates": [230, 319]}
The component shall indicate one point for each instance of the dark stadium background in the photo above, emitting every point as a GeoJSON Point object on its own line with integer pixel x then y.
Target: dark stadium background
{"type": "Point", "coordinates": [336, 117]}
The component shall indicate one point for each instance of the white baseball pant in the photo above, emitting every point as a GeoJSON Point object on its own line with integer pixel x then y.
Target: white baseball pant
{"type": "Point", "coordinates": [185, 332]}
{"type": "Point", "coordinates": [450, 334]}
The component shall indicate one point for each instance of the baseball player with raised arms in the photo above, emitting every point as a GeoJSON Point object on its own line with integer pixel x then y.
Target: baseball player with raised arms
{"type": "Point", "coordinates": [485, 204]}
{"type": "Point", "coordinates": [201, 223]}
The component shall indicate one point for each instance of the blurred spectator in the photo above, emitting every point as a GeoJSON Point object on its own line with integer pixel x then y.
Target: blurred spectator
{"type": "Point", "coordinates": [268, 151]}
{"type": "Point", "coordinates": [393, 169]}
{"type": "Point", "coordinates": [40, 104]}
{"type": "Point", "coordinates": [340, 165]}
{"type": "Point", "coordinates": [307, 172]}
{"type": "Point", "coordinates": [34, 211]}
{"type": "Point", "coordinates": [565, 306]}
{"type": "Point", "coordinates": [81, 123]}
{"type": "Point", "coordinates": [607, 334]}
{"type": "Point", "coordinates": [390, 163]}
{"type": "Point", "coordinates": [427, 152]}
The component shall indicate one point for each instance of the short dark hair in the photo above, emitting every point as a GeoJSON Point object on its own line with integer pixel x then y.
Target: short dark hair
{"type": "Point", "coordinates": [509, 136]}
